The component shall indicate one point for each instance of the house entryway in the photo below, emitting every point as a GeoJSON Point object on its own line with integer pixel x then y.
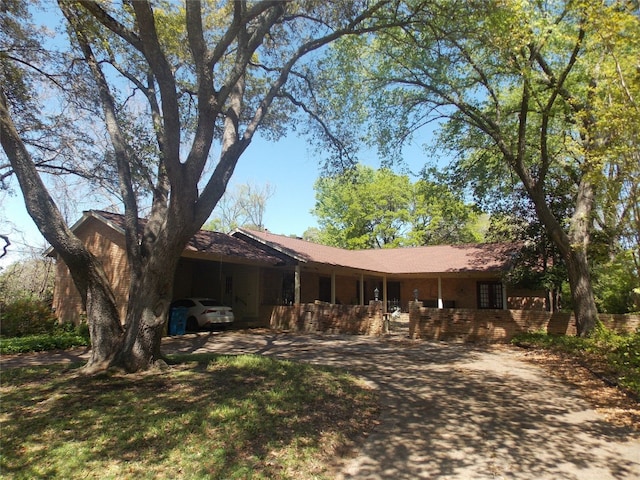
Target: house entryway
{"type": "Point", "coordinates": [398, 324]}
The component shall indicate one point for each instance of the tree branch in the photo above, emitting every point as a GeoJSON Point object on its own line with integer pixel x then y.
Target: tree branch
{"type": "Point", "coordinates": [121, 149]}
{"type": "Point", "coordinates": [6, 244]}
{"type": "Point", "coordinates": [163, 74]}
{"type": "Point", "coordinates": [112, 24]}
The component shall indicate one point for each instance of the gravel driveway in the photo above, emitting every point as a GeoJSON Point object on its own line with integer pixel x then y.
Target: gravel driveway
{"type": "Point", "coordinates": [451, 411]}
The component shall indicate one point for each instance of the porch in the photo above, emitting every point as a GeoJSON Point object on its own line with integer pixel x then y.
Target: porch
{"type": "Point", "coordinates": [442, 324]}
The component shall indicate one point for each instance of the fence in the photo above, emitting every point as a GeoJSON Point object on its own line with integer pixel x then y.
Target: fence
{"type": "Point", "coordinates": [452, 324]}
{"type": "Point", "coordinates": [494, 326]}
{"type": "Point", "coordinates": [321, 317]}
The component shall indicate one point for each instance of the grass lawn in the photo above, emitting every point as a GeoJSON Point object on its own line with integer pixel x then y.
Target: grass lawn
{"type": "Point", "coordinates": [206, 416]}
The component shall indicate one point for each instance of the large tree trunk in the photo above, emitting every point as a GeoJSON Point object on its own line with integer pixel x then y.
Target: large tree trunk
{"type": "Point", "coordinates": [141, 348]}
{"type": "Point", "coordinates": [86, 271]}
{"type": "Point", "coordinates": [584, 305]}
{"type": "Point", "coordinates": [150, 296]}
{"type": "Point", "coordinates": [104, 322]}
{"type": "Point", "coordinates": [582, 299]}
{"type": "Point", "coordinates": [573, 248]}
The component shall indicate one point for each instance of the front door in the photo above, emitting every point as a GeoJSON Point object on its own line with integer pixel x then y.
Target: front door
{"type": "Point", "coordinates": [244, 286]}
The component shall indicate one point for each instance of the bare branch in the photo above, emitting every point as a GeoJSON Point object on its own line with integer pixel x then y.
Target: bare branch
{"type": "Point", "coordinates": [6, 244]}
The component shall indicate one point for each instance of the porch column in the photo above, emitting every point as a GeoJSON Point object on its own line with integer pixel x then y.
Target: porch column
{"type": "Point", "coordinates": [333, 287]}
{"type": "Point", "coordinates": [384, 294]}
{"type": "Point", "coordinates": [440, 300]}
{"type": "Point", "coordinates": [297, 286]}
{"type": "Point", "coordinates": [361, 289]}
{"type": "Point", "coordinates": [504, 297]}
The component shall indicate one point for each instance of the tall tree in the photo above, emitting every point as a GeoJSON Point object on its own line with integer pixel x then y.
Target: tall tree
{"type": "Point", "coordinates": [363, 208]}
{"type": "Point", "coordinates": [187, 77]}
{"type": "Point", "coordinates": [532, 90]}
{"type": "Point", "coordinates": [439, 214]}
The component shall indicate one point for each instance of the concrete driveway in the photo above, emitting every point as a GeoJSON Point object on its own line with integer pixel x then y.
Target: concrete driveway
{"type": "Point", "coordinates": [451, 411]}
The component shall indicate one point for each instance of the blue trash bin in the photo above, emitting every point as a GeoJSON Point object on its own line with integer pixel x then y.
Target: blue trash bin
{"type": "Point", "coordinates": [178, 321]}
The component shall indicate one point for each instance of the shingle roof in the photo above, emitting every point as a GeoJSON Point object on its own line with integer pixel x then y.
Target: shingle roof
{"type": "Point", "coordinates": [205, 241]}
{"type": "Point", "coordinates": [250, 245]}
{"type": "Point", "coordinates": [430, 259]}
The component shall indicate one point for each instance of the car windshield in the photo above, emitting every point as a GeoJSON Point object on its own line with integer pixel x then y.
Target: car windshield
{"type": "Point", "coordinates": [210, 303]}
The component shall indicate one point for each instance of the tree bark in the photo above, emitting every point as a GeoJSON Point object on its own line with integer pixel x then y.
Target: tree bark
{"type": "Point", "coordinates": [85, 269]}
{"type": "Point", "coordinates": [584, 306]}
{"type": "Point", "coordinates": [147, 311]}
{"type": "Point", "coordinates": [102, 315]}
{"type": "Point", "coordinates": [573, 248]}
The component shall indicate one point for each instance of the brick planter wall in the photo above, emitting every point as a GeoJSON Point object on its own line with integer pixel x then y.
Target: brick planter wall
{"type": "Point", "coordinates": [494, 326]}
{"type": "Point", "coordinates": [323, 317]}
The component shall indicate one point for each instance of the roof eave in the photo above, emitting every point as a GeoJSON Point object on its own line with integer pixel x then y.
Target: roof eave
{"type": "Point", "coordinates": [279, 248]}
{"type": "Point", "coordinates": [86, 215]}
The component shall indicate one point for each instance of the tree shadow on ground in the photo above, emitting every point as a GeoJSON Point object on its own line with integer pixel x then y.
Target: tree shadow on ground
{"type": "Point", "coordinates": [227, 415]}
{"type": "Point", "coordinates": [454, 411]}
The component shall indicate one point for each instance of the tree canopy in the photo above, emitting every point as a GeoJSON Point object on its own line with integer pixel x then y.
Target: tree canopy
{"type": "Point", "coordinates": [368, 208]}
{"type": "Point", "coordinates": [542, 95]}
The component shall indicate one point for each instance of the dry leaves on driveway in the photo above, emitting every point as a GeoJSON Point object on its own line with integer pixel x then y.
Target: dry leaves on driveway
{"type": "Point", "coordinates": [617, 406]}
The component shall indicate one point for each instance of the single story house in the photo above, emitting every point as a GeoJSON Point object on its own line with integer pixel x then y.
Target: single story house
{"type": "Point", "coordinates": [253, 272]}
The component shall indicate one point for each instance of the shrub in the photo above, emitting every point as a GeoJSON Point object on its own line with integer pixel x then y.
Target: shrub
{"type": "Point", "coordinates": [61, 339]}
{"type": "Point", "coordinates": [626, 359]}
{"type": "Point", "coordinates": [26, 317]}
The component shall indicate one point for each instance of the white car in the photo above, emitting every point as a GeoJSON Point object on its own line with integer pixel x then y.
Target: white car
{"type": "Point", "coordinates": [204, 312]}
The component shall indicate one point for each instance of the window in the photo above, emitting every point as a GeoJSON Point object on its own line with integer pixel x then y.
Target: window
{"type": "Point", "coordinates": [490, 295]}
{"type": "Point", "coordinates": [228, 285]}
{"type": "Point", "coordinates": [185, 302]}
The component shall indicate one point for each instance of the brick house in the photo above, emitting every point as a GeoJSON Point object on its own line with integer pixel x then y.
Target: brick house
{"type": "Point", "coordinates": [256, 271]}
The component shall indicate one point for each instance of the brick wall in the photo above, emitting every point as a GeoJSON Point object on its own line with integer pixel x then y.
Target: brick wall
{"type": "Point", "coordinates": [320, 317]}
{"type": "Point", "coordinates": [67, 303]}
{"type": "Point", "coordinates": [494, 326]}
{"type": "Point", "coordinates": [108, 247]}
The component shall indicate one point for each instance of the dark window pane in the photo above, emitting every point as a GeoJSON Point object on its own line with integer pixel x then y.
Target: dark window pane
{"type": "Point", "coordinates": [490, 295]}
{"type": "Point", "coordinates": [210, 303]}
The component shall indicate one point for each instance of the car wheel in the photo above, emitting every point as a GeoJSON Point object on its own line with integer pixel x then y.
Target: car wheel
{"type": "Point", "coordinates": [192, 324]}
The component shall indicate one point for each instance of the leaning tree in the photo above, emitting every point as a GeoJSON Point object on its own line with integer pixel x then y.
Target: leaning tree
{"type": "Point", "coordinates": [178, 91]}
{"type": "Point", "coordinates": [541, 92]}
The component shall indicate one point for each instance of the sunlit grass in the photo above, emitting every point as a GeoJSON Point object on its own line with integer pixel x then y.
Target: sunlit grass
{"type": "Point", "coordinates": [206, 416]}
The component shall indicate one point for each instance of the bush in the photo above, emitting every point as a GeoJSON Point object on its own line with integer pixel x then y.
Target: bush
{"type": "Point", "coordinates": [626, 358]}
{"type": "Point", "coordinates": [26, 317]}
{"type": "Point", "coordinates": [614, 282]}
{"type": "Point", "coordinates": [61, 338]}
{"type": "Point", "coordinates": [29, 325]}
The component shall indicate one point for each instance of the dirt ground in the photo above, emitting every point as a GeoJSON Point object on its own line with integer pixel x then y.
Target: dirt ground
{"type": "Point", "coordinates": [454, 411]}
